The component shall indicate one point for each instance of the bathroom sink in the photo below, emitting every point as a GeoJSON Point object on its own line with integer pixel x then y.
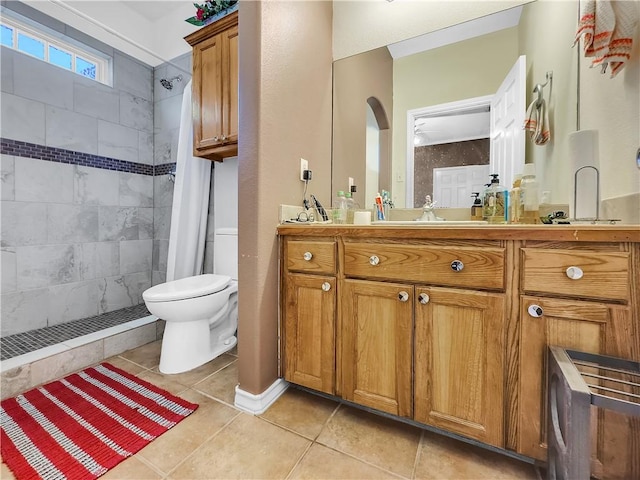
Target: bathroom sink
{"type": "Point", "coordinates": [433, 222]}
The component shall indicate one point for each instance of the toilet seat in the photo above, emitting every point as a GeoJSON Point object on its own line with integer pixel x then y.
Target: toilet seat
{"type": "Point", "coordinates": [185, 288]}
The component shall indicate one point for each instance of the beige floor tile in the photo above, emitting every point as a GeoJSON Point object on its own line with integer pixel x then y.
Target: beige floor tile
{"type": "Point", "coordinates": [168, 450]}
{"type": "Point", "coordinates": [386, 443]}
{"type": "Point", "coordinates": [5, 473]}
{"type": "Point", "coordinates": [249, 447]}
{"type": "Point", "coordinates": [300, 411]}
{"type": "Point", "coordinates": [442, 457]}
{"type": "Point", "coordinates": [131, 468]}
{"type": "Point", "coordinates": [126, 365]}
{"type": "Point", "coordinates": [222, 384]}
{"type": "Point", "coordinates": [194, 376]}
{"type": "Point", "coordinates": [147, 355]}
{"type": "Point", "coordinates": [321, 462]}
{"type": "Point", "coordinates": [162, 381]}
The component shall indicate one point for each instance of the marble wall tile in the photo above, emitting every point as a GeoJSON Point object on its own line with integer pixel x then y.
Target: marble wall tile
{"type": "Point", "coordinates": [72, 223]}
{"type": "Point", "coordinates": [121, 223]}
{"type": "Point", "coordinates": [9, 270]}
{"type": "Point", "coordinates": [40, 81]}
{"type": "Point", "coordinates": [158, 277]}
{"type": "Point", "coordinates": [101, 259]}
{"type": "Point", "coordinates": [161, 223]}
{"type": "Point", "coordinates": [43, 181]}
{"type": "Point", "coordinates": [116, 344]}
{"type": "Point", "coordinates": [23, 223]}
{"type": "Point", "coordinates": [61, 364]}
{"type": "Point", "coordinates": [208, 257]}
{"type": "Point", "coordinates": [145, 147]}
{"type": "Point", "coordinates": [16, 380]}
{"type": "Point", "coordinates": [145, 223]}
{"type": "Point", "coordinates": [162, 148]}
{"type": "Point", "coordinates": [160, 252]}
{"type": "Point", "coordinates": [167, 114]}
{"type": "Point", "coordinates": [136, 112]}
{"type": "Point", "coordinates": [132, 76]}
{"type": "Point", "coordinates": [22, 119]}
{"type": "Point", "coordinates": [135, 256]}
{"type": "Point", "coordinates": [162, 191]}
{"type": "Point", "coordinates": [72, 301]}
{"type": "Point", "coordinates": [96, 100]}
{"type": "Point", "coordinates": [123, 291]}
{"type": "Point", "coordinates": [117, 141]}
{"type": "Point", "coordinates": [24, 311]}
{"type": "Point", "coordinates": [6, 72]}
{"type": "Point", "coordinates": [96, 186]}
{"type": "Point", "coordinates": [46, 265]}
{"type": "Point", "coordinates": [136, 190]}
{"type": "Point", "coordinates": [70, 130]}
{"type": "Point", "coordinates": [169, 71]}
{"type": "Point", "coordinates": [7, 177]}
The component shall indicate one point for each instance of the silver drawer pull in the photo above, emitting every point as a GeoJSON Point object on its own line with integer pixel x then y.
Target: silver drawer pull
{"type": "Point", "coordinates": [403, 296]}
{"type": "Point", "coordinates": [307, 256]}
{"type": "Point", "coordinates": [574, 273]}
{"type": "Point", "coordinates": [457, 265]}
{"type": "Point", "coordinates": [423, 298]}
{"type": "Point", "coordinates": [326, 286]}
{"type": "Point", "coordinates": [374, 260]}
{"type": "Point", "coordinates": [535, 311]}
{"type": "Point", "coordinates": [224, 137]}
{"type": "Point", "coordinates": [215, 139]}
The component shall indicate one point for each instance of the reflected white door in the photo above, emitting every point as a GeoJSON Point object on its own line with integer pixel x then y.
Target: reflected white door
{"type": "Point", "coordinates": [452, 186]}
{"type": "Point", "coordinates": [508, 109]}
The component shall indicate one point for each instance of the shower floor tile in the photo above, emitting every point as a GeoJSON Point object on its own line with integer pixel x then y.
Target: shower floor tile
{"type": "Point", "coordinates": [21, 343]}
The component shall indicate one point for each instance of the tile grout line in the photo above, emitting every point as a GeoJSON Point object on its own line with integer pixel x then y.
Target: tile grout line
{"type": "Point", "coordinates": [418, 454]}
{"type": "Point", "coordinates": [288, 476]}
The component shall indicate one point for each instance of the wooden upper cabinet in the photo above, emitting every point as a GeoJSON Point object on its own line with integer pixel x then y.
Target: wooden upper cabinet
{"type": "Point", "coordinates": [215, 89]}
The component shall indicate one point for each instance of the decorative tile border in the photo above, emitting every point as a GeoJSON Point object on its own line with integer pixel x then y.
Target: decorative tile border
{"type": "Point", "coordinates": [60, 155]}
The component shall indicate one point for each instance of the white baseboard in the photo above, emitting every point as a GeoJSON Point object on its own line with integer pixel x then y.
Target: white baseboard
{"type": "Point", "coordinates": [258, 404]}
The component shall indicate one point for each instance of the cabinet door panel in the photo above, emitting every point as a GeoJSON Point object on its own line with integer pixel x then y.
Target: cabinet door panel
{"type": "Point", "coordinates": [310, 332]}
{"type": "Point", "coordinates": [459, 362]}
{"type": "Point", "coordinates": [208, 67]}
{"type": "Point", "coordinates": [230, 71]}
{"type": "Point", "coordinates": [376, 345]}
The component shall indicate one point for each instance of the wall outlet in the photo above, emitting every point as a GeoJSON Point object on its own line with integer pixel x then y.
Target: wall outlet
{"type": "Point", "coordinates": [304, 165]}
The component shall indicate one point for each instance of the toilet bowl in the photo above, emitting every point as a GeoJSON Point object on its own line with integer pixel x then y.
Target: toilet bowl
{"type": "Point", "coordinates": [201, 312]}
{"type": "Point", "coordinates": [201, 315]}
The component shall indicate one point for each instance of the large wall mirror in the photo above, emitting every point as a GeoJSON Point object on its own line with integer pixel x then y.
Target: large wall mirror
{"type": "Point", "coordinates": [459, 65]}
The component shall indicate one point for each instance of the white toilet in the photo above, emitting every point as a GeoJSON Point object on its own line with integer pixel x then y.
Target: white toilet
{"type": "Point", "coordinates": [201, 312]}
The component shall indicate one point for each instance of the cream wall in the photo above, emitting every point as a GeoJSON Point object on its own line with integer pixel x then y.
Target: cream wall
{"type": "Point", "coordinates": [285, 114]}
{"type": "Point", "coordinates": [468, 69]}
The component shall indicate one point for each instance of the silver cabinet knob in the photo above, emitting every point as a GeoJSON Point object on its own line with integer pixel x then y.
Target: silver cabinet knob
{"type": "Point", "coordinates": [307, 256]}
{"type": "Point", "coordinates": [457, 265]}
{"type": "Point", "coordinates": [215, 139]}
{"type": "Point", "coordinates": [535, 311]}
{"type": "Point", "coordinates": [423, 298]}
{"type": "Point", "coordinates": [326, 286]}
{"type": "Point", "coordinates": [403, 296]}
{"type": "Point", "coordinates": [224, 137]}
{"type": "Point", "coordinates": [574, 273]}
{"type": "Point", "coordinates": [374, 260]}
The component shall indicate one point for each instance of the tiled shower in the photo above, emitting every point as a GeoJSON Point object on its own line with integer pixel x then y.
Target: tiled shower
{"type": "Point", "coordinates": [86, 195]}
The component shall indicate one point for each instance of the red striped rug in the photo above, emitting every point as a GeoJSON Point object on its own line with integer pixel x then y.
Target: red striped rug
{"type": "Point", "coordinates": [83, 425]}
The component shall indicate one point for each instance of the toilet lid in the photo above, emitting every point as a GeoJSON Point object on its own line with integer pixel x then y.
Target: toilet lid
{"type": "Point", "coordinates": [184, 288]}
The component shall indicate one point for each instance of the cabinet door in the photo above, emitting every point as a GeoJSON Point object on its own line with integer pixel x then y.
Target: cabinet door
{"type": "Point", "coordinates": [377, 321]}
{"type": "Point", "coordinates": [459, 362]}
{"type": "Point", "coordinates": [589, 327]}
{"type": "Point", "coordinates": [230, 86]}
{"type": "Point", "coordinates": [207, 93]}
{"type": "Point", "coordinates": [309, 336]}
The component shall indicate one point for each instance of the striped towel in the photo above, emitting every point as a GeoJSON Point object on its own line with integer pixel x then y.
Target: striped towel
{"type": "Point", "coordinates": [537, 122]}
{"type": "Point", "coordinates": [607, 28]}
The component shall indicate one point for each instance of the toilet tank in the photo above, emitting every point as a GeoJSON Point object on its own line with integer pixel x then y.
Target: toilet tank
{"type": "Point", "coordinates": [225, 252]}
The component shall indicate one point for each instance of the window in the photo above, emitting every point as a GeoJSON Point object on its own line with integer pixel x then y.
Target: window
{"type": "Point", "coordinates": [52, 48]}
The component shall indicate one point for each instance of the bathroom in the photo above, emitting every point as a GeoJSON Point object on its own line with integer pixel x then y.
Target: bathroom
{"type": "Point", "coordinates": [275, 124]}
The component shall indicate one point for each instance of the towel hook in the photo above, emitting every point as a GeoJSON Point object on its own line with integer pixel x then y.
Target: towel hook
{"type": "Point", "coordinates": [540, 86]}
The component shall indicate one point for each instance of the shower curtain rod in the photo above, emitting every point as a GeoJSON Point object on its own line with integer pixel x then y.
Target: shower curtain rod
{"type": "Point", "coordinates": [111, 31]}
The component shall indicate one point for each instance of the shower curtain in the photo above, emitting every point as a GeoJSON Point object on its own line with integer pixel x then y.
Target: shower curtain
{"type": "Point", "coordinates": [190, 203]}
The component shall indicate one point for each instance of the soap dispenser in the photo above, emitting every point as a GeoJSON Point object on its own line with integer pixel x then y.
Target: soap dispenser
{"type": "Point", "coordinates": [495, 202]}
{"type": "Point", "coordinates": [476, 208]}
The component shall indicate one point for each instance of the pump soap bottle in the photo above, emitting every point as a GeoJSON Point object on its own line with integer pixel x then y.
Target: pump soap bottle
{"type": "Point", "coordinates": [476, 208]}
{"type": "Point", "coordinates": [495, 202]}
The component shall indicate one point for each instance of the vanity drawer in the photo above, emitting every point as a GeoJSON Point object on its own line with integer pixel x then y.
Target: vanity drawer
{"type": "Point", "coordinates": [599, 275]}
{"type": "Point", "coordinates": [313, 256]}
{"type": "Point", "coordinates": [482, 267]}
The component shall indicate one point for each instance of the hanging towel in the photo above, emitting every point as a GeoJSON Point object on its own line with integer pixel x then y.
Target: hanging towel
{"type": "Point", "coordinates": [537, 122]}
{"type": "Point", "coordinates": [607, 28]}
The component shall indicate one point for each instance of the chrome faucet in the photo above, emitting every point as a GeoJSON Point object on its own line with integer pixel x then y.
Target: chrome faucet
{"type": "Point", "coordinates": [428, 215]}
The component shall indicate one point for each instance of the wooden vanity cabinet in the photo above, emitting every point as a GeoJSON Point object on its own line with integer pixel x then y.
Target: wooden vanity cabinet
{"type": "Point", "coordinates": [309, 310]}
{"type": "Point", "coordinates": [215, 89]}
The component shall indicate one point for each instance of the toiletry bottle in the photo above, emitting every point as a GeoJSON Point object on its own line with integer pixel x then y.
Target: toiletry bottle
{"type": "Point", "coordinates": [495, 202]}
{"type": "Point", "coordinates": [350, 207]}
{"type": "Point", "coordinates": [515, 203]}
{"type": "Point", "coordinates": [340, 208]}
{"type": "Point", "coordinates": [529, 195]}
{"type": "Point", "coordinates": [476, 208]}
